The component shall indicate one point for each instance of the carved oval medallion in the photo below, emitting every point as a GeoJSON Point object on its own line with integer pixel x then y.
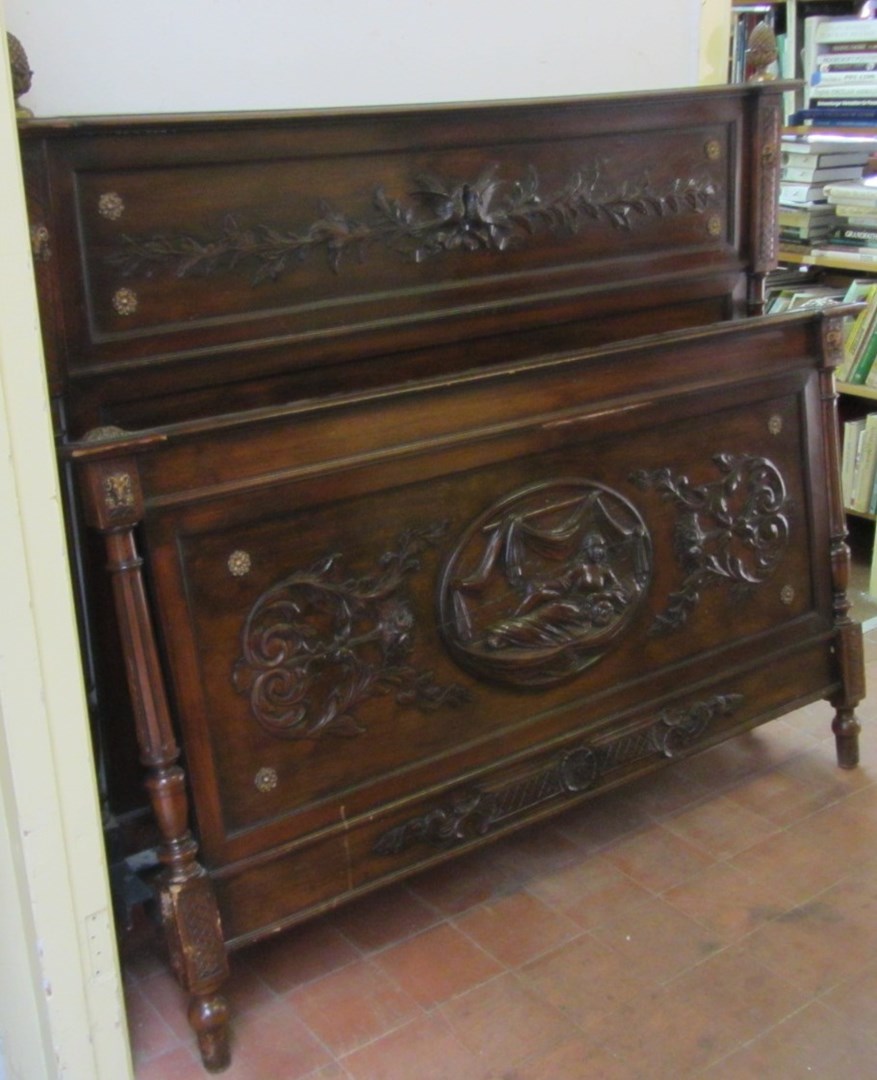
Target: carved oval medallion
{"type": "Point", "coordinates": [543, 581]}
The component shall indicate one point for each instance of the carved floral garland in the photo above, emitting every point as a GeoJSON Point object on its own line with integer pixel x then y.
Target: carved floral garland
{"type": "Point", "coordinates": [487, 214]}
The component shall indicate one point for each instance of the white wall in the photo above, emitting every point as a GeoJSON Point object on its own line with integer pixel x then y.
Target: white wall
{"type": "Point", "coordinates": [61, 1012]}
{"type": "Point", "coordinates": [97, 56]}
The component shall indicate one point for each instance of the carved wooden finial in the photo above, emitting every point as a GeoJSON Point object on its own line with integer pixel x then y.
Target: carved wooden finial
{"type": "Point", "coordinates": [21, 72]}
{"type": "Point", "coordinates": [761, 53]}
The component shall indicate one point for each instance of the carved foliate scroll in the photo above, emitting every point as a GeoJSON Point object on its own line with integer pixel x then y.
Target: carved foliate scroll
{"type": "Point", "coordinates": [731, 531]}
{"type": "Point", "coordinates": [541, 583]}
{"type": "Point", "coordinates": [319, 644]}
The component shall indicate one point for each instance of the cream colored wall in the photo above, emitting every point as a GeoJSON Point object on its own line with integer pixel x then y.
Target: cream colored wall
{"type": "Point", "coordinates": [94, 56]}
{"type": "Point", "coordinates": [713, 36]}
{"type": "Point", "coordinates": [64, 1016]}
{"type": "Point", "coordinates": [61, 1011]}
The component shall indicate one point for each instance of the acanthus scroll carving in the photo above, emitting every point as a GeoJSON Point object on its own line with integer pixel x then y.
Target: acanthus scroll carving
{"type": "Point", "coordinates": [543, 581]}
{"type": "Point", "coordinates": [733, 530]}
{"type": "Point", "coordinates": [488, 213]}
{"type": "Point", "coordinates": [318, 644]}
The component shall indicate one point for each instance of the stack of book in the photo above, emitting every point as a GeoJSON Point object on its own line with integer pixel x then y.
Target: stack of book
{"type": "Point", "coordinates": [840, 66]}
{"type": "Point", "coordinates": [803, 226]}
{"type": "Point", "coordinates": [808, 164]}
{"type": "Point", "coordinates": [854, 236]}
{"type": "Point", "coordinates": [805, 216]}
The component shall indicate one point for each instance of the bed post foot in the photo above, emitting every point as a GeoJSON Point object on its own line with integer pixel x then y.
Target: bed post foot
{"type": "Point", "coordinates": [198, 957]}
{"type": "Point", "coordinates": [846, 730]}
{"type": "Point", "coordinates": [845, 725]}
{"type": "Point", "coordinates": [208, 1016]}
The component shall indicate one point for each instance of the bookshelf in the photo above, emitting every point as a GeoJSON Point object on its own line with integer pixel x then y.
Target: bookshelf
{"type": "Point", "coordinates": [786, 18]}
{"type": "Point", "coordinates": [798, 51]}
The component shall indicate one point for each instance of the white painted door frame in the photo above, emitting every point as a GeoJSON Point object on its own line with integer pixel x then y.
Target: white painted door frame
{"type": "Point", "coordinates": [61, 1006]}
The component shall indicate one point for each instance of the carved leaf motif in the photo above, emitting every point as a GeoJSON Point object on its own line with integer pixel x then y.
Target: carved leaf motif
{"type": "Point", "coordinates": [487, 214]}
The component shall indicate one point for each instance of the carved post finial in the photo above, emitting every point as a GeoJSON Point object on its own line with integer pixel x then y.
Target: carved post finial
{"type": "Point", "coordinates": [21, 72]}
{"type": "Point", "coordinates": [761, 53]}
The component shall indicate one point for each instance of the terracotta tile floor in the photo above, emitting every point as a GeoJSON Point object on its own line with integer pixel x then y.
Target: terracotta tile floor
{"type": "Point", "coordinates": [718, 920]}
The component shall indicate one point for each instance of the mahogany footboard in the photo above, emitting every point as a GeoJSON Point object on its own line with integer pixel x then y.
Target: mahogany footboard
{"type": "Point", "coordinates": [394, 624]}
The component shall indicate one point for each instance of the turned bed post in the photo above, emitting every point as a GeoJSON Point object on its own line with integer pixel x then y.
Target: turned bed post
{"type": "Point", "coordinates": [114, 506]}
{"type": "Point", "coordinates": [848, 639]}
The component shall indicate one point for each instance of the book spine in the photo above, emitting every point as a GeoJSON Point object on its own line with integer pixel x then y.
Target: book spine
{"type": "Point", "coordinates": [824, 78]}
{"type": "Point", "coordinates": [847, 49]}
{"type": "Point", "coordinates": [852, 430]}
{"type": "Point", "coordinates": [842, 249]}
{"type": "Point", "coordinates": [847, 193]}
{"type": "Point", "coordinates": [790, 172]}
{"type": "Point", "coordinates": [861, 495]}
{"type": "Point", "coordinates": [856, 434]}
{"type": "Point", "coordinates": [861, 258]}
{"type": "Point", "coordinates": [823, 161]}
{"type": "Point", "coordinates": [856, 234]}
{"type": "Point", "coordinates": [843, 62]}
{"type": "Point", "coordinates": [843, 91]}
{"type": "Point", "coordinates": [857, 216]}
{"type": "Point", "coordinates": [866, 358]}
{"type": "Point", "coordinates": [800, 193]}
{"type": "Point", "coordinates": [848, 32]}
{"type": "Point", "coordinates": [837, 115]}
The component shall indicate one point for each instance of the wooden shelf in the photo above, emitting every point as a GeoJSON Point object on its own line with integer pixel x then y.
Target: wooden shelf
{"type": "Point", "coordinates": [860, 514]}
{"type": "Point", "coordinates": [856, 390]}
{"type": "Point", "coordinates": [830, 260]}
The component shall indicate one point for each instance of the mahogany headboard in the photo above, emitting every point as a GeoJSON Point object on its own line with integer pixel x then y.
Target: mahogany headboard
{"type": "Point", "coordinates": [201, 264]}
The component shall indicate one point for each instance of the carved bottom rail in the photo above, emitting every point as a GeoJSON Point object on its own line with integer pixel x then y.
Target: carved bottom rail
{"type": "Point", "coordinates": [476, 812]}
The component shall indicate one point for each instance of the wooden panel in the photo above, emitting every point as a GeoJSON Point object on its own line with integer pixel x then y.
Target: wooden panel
{"type": "Point", "coordinates": [312, 609]}
{"type": "Point", "coordinates": [193, 253]}
{"type": "Point", "coordinates": [284, 886]}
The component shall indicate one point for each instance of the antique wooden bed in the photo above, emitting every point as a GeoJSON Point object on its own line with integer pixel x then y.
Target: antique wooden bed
{"type": "Point", "coordinates": [446, 470]}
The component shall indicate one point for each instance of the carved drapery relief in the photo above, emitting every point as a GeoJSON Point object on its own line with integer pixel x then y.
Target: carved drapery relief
{"type": "Point", "coordinates": [318, 644]}
{"type": "Point", "coordinates": [476, 812]}
{"type": "Point", "coordinates": [733, 530]}
{"type": "Point", "coordinates": [542, 581]}
{"type": "Point", "coordinates": [489, 213]}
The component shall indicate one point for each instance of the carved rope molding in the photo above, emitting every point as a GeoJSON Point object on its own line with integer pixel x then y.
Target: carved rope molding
{"type": "Point", "coordinates": [438, 216]}
{"type": "Point", "coordinates": [476, 812]}
{"type": "Point", "coordinates": [317, 645]}
{"type": "Point", "coordinates": [733, 530]}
